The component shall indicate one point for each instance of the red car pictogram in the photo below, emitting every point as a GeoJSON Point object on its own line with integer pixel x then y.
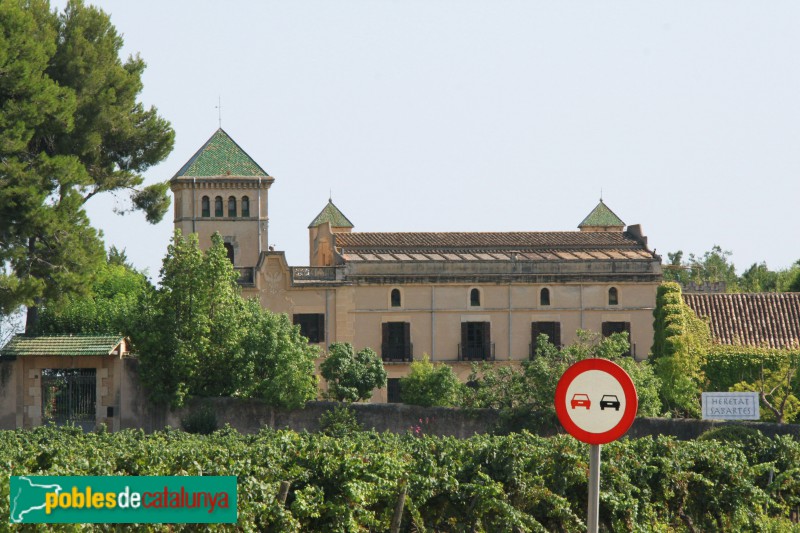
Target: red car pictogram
{"type": "Point", "coordinates": [580, 400]}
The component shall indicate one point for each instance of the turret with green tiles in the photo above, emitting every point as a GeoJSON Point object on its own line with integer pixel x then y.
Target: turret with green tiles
{"type": "Point", "coordinates": [602, 219]}
{"type": "Point", "coordinates": [322, 234]}
{"type": "Point", "coordinates": [331, 213]}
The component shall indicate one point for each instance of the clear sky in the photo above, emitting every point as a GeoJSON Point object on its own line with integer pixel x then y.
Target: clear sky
{"type": "Point", "coordinates": [432, 115]}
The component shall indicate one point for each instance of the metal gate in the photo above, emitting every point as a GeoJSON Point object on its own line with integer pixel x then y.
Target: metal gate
{"type": "Point", "coordinates": [69, 396]}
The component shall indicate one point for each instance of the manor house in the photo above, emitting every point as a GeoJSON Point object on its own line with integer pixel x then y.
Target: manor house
{"type": "Point", "coordinates": [458, 297]}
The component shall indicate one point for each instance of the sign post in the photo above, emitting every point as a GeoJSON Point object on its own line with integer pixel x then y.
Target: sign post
{"type": "Point", "coordinates": [596, 402]}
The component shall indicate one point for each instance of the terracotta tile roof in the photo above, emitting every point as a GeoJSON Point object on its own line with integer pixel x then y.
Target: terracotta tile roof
{"type": "Point", "coordinates": [522, 240]}
{"type": "Point", "coordinates": [220, 156]}
{"type": "Point", "coordinates": [520, 246]}
{"type": "Point", "coordinates": [61, 345]}
{"type": "Point", "coordinates": [330, 213]}
{"type": "Point", "coordinates": [770, 320]}
{"type": "Point", "coordinates": [601, 216]}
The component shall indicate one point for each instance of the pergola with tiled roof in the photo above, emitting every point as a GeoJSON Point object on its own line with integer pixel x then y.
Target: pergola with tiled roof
{"type": "Point", "coordinates": [770, 320]}
{"type": "Point", "coordinates": [62, 345]}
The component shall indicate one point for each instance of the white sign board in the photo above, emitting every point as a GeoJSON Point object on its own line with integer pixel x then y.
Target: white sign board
{"type": "Point", "coordinates": [731, 406]}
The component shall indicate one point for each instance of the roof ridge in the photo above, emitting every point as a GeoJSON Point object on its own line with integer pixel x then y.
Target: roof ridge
{"type": "Point", "coordinates": [67, 335]}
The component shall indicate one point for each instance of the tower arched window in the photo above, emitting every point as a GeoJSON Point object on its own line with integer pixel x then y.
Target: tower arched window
{"type": "Point", "coordinates": [475, 298]}
{"type": "Point", "coordinates": [613, 296]}
{"type": "Point", "coordinates": [232, 207]}
{"type": "Point", "coordinates": [205, 206]}
{"type": "Point", "coordinates": [245, 206]}
{"type": "Point", "coordinates": [544, 297]}
{"type": "Point", "coordinates": [395, 298]}
{"type": "Point", "coordinates": [218, 207]}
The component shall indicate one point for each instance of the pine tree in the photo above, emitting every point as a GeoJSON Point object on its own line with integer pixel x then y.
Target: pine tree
{"type": "Point", "coordinates": [70, 128]}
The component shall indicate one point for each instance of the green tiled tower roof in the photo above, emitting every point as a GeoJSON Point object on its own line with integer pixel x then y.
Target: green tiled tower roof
{"type": "Point", "coordinates": [221, 156]}
{"type": "Point", "coordinates": [331, 214]}
{"type": "Point", "coordinates": [601, 216]}
{"type": "Point", "coordinates": [61, 345]}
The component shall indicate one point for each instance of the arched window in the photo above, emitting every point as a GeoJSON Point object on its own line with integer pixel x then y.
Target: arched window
{"type": "Point", "coordinates": [544, 297]}
{"type": "Point", "coordinates": [218, 206]}
{"type": "Point", "coordinates": [231, 207]}
{"type": "Point", "coordinates": [229, 250]}
{"type": "Point", "coordinates": [245, 206]}
{"type": "Point", "coordinates": [613, 296]}
{"type": "Point", "coordinates": [395, 298]}
{"type": "Point", "coordinates": [205, 205]}
{"type": "Point", "coordinates": [475, 298]}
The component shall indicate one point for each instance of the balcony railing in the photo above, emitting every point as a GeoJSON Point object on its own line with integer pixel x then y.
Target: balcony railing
{"type": "Point", "coordinates": [246, 276]}
{"type": "Point", "coordinates": [483, 352]}
{"type": "Point", "coordinates": [313, 273]}
{"type": "Point", "coordinates": [397, 352]}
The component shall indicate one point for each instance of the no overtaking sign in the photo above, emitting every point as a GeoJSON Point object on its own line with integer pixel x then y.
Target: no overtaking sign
{"type": "Point", "coordinates": [596, 401]}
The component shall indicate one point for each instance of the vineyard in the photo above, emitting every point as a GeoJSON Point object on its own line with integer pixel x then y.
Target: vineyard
{"type": "Point", "coordinates": [513, 483]}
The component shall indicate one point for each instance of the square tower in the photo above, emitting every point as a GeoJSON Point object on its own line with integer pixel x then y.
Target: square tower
{"type": "Point", "coordinates": [222, 189]}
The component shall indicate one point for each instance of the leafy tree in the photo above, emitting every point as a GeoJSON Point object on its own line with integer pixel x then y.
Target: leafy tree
{"type": "Point", "coordinates": [790, 279]}
{"type": "Point", "coordinates": [777, 389]}
{"type": "Point", "coordinates": [759, 278]}
{"type": "Point", "coordinates": [278, 363]}
{"type": "Point", "coordinates": [429, 384]}
{"type": "Point", "coordinates": [713, 266]}
{"type": "Point", "coordinates": [118, 257]}
{"type": "Point", "coordinates": [194, 335]}
{"type": "Point", "coordinates": [524, 395]}
{"type": "Point", "coordinates": [352, 376]}
{"type": "Point", "coordinates": [680, 340]}
{"type": "Point", "coordinates": [675, 270]}
{"type": "Point", "coordinates": [112, 305]}
{"type": "Point", "coordinates": [189, 340]}
{"type": "Point", "coordinates": [70, 128]}
{"type": "Point", "coordinates": [770, 372]}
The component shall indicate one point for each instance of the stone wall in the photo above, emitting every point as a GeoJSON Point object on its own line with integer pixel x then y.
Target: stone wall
{"type": "Point", "coordinates": [8, 395]}
{"type": "Point", "coordinates": [249, 416]}
{"type": "Point", "coordinates": [131, 410]}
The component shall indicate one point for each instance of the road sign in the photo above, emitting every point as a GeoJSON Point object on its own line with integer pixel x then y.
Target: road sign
{"type": "Point", "coordinates": [596, 401]}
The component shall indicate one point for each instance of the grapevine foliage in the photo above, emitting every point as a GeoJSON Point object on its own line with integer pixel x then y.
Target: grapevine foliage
{"type": "Point", "coordinates": [518, 482]}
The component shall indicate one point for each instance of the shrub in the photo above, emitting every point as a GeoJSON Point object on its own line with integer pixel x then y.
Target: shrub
{"type": "Point", "coordinates": [430, 385]}
{"type": "Point", "coordinates": [352, 376]}
{"type": "Point", "coordinates": [202, 421]}
{"type": "Point", "coordinates": [339, 422]}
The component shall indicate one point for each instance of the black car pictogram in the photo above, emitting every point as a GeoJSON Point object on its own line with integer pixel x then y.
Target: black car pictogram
{"type": "Point", "coordinates": [609, 400]}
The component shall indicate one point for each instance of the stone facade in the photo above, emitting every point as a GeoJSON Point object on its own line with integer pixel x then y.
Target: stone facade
{"type": "Point", "coordinates": [458, 297]}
